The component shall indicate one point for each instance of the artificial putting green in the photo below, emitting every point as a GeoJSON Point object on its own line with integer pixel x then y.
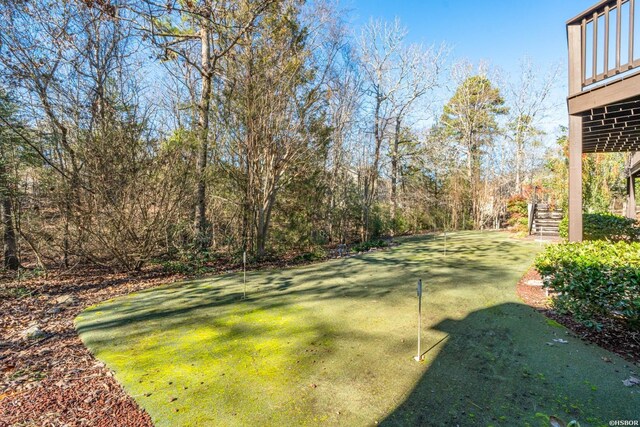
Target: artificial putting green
{"type": "Point", "coordinates": [333, 343]}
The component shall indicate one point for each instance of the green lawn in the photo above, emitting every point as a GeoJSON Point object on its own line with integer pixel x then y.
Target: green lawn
{"type": "Point", "coordinates": [333, 343]}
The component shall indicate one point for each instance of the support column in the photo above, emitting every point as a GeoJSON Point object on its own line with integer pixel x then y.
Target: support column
{"type": "Point", "coordinates": [575, 178]}
{"type": "Point", "coordinates": [631, 197]}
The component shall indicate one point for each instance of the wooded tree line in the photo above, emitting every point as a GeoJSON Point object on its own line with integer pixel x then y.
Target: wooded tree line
{"type": "Point", "coordinates": [132, 130]}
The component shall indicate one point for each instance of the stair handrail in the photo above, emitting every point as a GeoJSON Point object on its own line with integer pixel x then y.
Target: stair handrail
{"type": "Point", "coordinates": [531, 207]}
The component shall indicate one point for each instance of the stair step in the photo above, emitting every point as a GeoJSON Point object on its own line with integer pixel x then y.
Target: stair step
{"type": "Point", "coordinates": [548, 215]}
{"type": "Point", "coordinates": [545, 233]}
{"type": "Point", "coordinates": [547, 222]}
{"type": "Point", "coordinates": [552, 226]}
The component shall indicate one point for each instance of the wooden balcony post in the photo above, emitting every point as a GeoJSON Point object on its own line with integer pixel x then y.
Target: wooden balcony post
{"type": "Point", "coordinates": [575, 178]}
{"type": "Point", "coordinates": [631, 197]}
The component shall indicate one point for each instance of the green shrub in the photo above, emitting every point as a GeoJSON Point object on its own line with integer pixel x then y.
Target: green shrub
{"type": "Point", "coordinates": [318, 254]}
{"type": "Point", "coordinates": [400, 225]}
{"type": "Point", "coordinates": [190, 262]}
{"type": "Point", "coordinates": [519, 224]}
{"type": "Point", "coordinates": [365, 246]}
{"type": "Point", "coordinates": [604, 226]}
{"type": "Point", "coordinates": [594, 279]}
{"type": "Point", "coordinates": [563, 227]}
{"type": "Point", "coordinates": [379, 221]}
{"type": "Point", "coordinates": [178, 267]}
{"type": "Point", "coordinates": [517, 205]}
{"type": "Point", "coordinates": [518, 214]}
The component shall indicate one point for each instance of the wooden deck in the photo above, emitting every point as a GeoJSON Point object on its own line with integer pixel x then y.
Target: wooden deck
{"type": "Point", "coordinates": [604, 92]}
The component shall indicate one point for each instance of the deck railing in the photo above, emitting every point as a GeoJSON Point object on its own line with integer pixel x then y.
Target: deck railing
{"type": "Point", "coordinates": [604, 42]}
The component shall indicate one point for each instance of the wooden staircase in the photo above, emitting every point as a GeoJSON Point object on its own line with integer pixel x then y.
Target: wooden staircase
{"type": "Point", "coordinates": [546, 221]}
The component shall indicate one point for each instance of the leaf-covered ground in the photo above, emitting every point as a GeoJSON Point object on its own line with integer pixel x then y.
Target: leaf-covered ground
{"type": "Point", "coordinates": [333, 343]}
{"type": "Point", "coordinates": [614, 334]}
{"type": "Point", "coordinates": [53, 380]}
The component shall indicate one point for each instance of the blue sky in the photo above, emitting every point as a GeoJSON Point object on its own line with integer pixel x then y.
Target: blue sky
{"type": "Point", "coordinates": [499, 32]}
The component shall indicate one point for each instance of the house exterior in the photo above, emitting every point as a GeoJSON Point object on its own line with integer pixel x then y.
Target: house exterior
{"type": "Point", "coordinates": [604, 94]}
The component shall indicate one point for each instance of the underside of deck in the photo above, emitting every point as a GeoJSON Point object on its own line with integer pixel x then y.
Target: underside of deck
{"type": "Point", "coordinates": [610, 116]}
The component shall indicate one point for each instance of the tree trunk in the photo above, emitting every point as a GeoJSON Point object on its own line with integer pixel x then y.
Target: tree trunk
{"type": "Point", "coordinates": [364, 218]}
{"type": "Point", "coordinates": [11, 260]}
{"type": "Point", "coordinates": [246, 212]}
{"type": "Point", "coordinates": [519, 155]}
{"type": "Point", "coordinates": [518, 168]}
{"type": "Point", "coordinates": [65, 241]}
{"type": "Point", "coordinates": [372, 179]}
{"type": "Point", "coordinates": [264, 218]}
{"type": "Point", "coordinates": [330, 216]}
{"type": "Point", "coordinates": [203, 240]}
{"type": "Point", "coordinates": [394, 176]}
{"type": "Point", "coordinates": [261, 233]}
{"type": "Point", "coordinates": [473, 169]}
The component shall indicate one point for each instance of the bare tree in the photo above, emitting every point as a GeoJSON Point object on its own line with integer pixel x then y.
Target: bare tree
{"type": "Point", "coordinates": [418, 71]}
{"type": "Point", "coordinates": [344, 99]}
{"type": "Point", "coordinates": [528, 99]}
{"type": "Point", "coordinates": [102, 167]}
{"type": "Point", "coordinates": [212, 28]}
{"type": "Point", "coordinates": [380, 45]}
{"type": "Point", "coordinates": [274, 94]}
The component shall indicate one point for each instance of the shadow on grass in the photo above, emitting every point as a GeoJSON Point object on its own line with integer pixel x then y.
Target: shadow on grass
{"type": "Point", "coordinates": [497, 368]}
{"type": "Point", "coordinates": [369, 276]}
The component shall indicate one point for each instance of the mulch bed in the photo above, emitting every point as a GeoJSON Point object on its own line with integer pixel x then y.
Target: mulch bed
{"type": "Point", "coordinates": [613, 335]}
{"type": "Point", "coordinates": [54, 380]}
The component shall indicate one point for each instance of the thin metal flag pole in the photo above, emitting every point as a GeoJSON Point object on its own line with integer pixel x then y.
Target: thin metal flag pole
{"type": "Point", "coordinates": [419, 356]}
{"type": "Point", "coordinates": [244, 273]}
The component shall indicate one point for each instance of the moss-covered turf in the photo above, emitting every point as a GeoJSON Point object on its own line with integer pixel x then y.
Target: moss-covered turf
{"type": "Point", "coordinates": [333, 343]}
